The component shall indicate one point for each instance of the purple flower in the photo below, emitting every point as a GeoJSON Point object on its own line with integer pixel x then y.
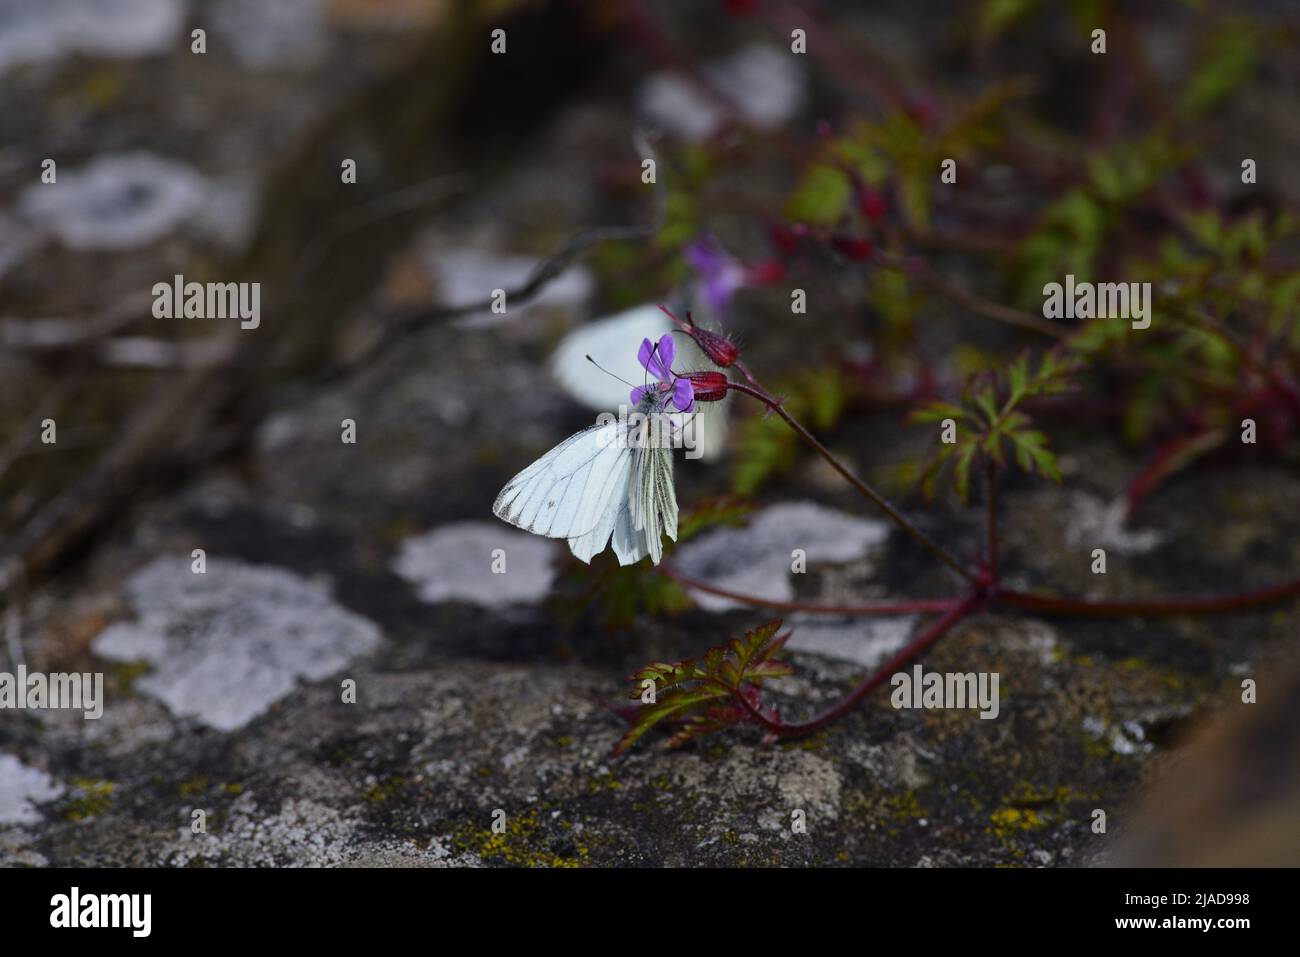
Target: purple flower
{"type": "Point", "coordinates": [658, 361]}
{"type": "Point", "coordinates": [720, 274]}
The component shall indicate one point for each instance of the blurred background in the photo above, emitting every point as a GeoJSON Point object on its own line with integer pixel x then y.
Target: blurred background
{"type": "Point", "coordinates": [380, 168]}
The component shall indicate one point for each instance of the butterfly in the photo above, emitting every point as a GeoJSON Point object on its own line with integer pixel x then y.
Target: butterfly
{"type": "Point", "coordinates": [612, 481]}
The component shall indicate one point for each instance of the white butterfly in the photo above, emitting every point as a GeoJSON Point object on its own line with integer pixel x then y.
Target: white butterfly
{"type": "Point", "coordinates": [613, 480]}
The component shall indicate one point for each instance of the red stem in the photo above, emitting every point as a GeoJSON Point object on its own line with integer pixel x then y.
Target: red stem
{"type": "Point", "coordinates": [990, 479]}
{"type": "Point", "coordinates": [850, 701]}
{"type": "Point", "coordinates": [1146, 608]}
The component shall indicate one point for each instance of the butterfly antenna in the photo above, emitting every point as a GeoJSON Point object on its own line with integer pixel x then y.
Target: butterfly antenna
{"type": "Point", "coordinates": [607, 372]}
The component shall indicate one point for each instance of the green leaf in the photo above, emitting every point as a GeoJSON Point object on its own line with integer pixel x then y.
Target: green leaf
{"type": "Point", "coordinates": [937, 411]}
{"type": "Point", "coordinates": [822, 197]}
{"type": "Point", "coordinates": [706, 695]}
{"type": "Point", "coordinates": [990, 406]}
{"type": "Point", "coordinates": [673, 703]}
{"type": "Point", "coordinates": [1230, 62]}
{"type": "Point", "coordinates": [996, 16]}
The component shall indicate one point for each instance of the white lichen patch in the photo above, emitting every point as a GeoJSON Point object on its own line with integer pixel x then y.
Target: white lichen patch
{"type": "Point", "coordinates": [17, 242]}
{"type": "Point", "coordinates": [1096, 523]}
{"type": "Point", "coordinates": [227, 644]}
{"type": "Point", "coordinates": [765, 85]}
{"type": "Point", "coordinates": [21, 789]}
{"type": "Point", "coordinates": [272, 36]}
{"type": "Point", "coordinates": [1126, 737]}
{"type": "Point", "coordinates": [117, 202]}
{"type": "Point", "coordinates": [480, 562]}
{"type": "Point", "coordinates": [758, 559]}
{"type": "Point", "coordinates": [36, 31]}
{"type": "Point", "coordinates": [863, 641]}
{"type": "Point", "coordinates": [301, 833]}
{"type": "Point", "coordinates": [466, 276]}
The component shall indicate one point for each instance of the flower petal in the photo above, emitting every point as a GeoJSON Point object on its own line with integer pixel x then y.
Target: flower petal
{"type": "Point", "coordinates": [644, 354]}
{"type": "Point", "coordinates": [637, 395]}
{"type": "Point", "coordinates": [666, 351]}
{"type": "Point", "coordinates": [683, 395]}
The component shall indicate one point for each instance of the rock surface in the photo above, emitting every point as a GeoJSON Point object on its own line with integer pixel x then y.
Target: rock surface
{"type": "Point", "coordinates": [482, 699]}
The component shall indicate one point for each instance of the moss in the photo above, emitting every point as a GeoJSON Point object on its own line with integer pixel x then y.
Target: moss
{"type": "Point", "coordinates": [1027, 795]}
{"type": "Point", "coordinates": [905, 807]}
{"type": "Point", "coordinates": [233, 788]}
{"type": "Point", "coordinates": [813, 742]}
{"type": "Point", "coordinates": [127, 673]}
{"type": "Point", "coordinates": [1008, 821]}
{"type": "Point", "coordinates": [518, 844]}
{"type": "Point", "coordinates": [605, 782]}
{"type": "Point", "coordinates": [194, 786]}
{"type": "Point", "coordinates": [383, 790]}
{"type": "Point", "coordinates": [1097, 748]}
{"type": "Point", "coordinates": [94, 798]}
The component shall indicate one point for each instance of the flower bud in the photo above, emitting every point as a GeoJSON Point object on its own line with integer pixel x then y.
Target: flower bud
{"type": "Point", "coordinates": [721, 350]}
{"type": "Point", "coordinates": [783, 238]}
{"type": "Point", "coordinates": [708, 386]}
{"type": "Point", "coordinates": [765, 273]}
{"type": "Point", "coordinates": [852, 247]}
{"type": "Point", "coordinates": [871, 204]}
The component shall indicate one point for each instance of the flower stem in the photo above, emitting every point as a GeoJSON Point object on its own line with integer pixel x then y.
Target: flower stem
{"type": "Point", "coordinates": [850, 701]}
{"type": "Point", "coordinates": [866, 490]}
{"type": "Point", "coordinates": [1145, 608]}
{"type": "Point", "coordinates": [919, 606]}
{"type": "Point", "coordinates": [990, 481]}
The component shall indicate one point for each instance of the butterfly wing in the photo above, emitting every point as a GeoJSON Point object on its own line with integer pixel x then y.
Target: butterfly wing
{"type": "Point", "coordinates": [573, 490]}
{"type": "Point", "coordinates": [650, 509]}
{"type": "Point", "coordinates": [597, 484]}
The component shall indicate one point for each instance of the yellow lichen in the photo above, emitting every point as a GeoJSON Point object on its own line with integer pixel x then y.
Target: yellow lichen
{"type": "Point", "coordinates": [95, 797]}
{"type": "Point", "coordinates": [1010, 820]}
{"type": "Point", "coordinates": [515, 844]}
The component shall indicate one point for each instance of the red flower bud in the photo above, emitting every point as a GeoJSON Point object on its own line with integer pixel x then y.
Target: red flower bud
{"type": "Point", "coordinates": [871, 204]}
{"type": "Point", "coordinates": [765, 273]}
{"type": "Point", "coordinates": [708, 386]}
{"type": "Point", "coordinates": [923, 110]}
{"type": "Point", "coordinates": [721, 350]}
{"type": "Point", "coordinates": [852, 247]}
{"type": "Point", "coordinates": [783, 238]}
